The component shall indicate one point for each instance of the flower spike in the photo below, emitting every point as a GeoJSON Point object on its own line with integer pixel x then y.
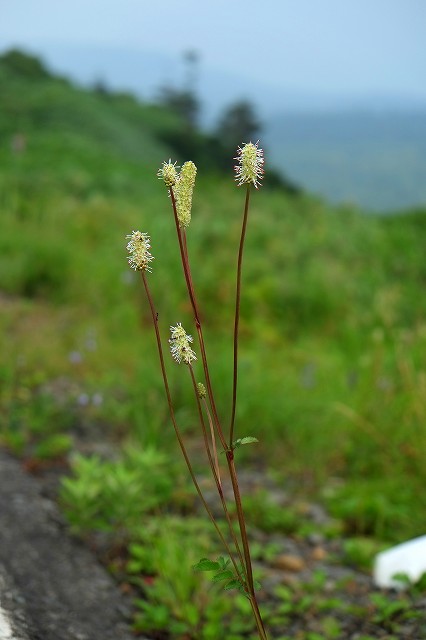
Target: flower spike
{"type": "Point", "coordinates": [139, 255]}
{"type": "Point", "coordinates": [180, 345]}
{"type": "Point", "coordinates": [250, 164]}
{"type": "Point", "coordinates": [169, 173]}
{"type": "Point", "coordinates": [183, 190]}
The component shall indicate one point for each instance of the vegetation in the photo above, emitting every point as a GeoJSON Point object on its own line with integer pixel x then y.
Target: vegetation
{"type": "Point", "coordinates": [333, 333]}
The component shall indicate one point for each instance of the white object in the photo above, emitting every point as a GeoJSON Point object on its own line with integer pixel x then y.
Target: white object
{"type": "Point", "coordinates": [6, 632]}
{"type": "Point", "coordinates": [408, 558]}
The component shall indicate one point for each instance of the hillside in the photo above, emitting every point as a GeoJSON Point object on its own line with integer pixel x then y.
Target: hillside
{"type": "Point", "coordinates": [333, 330]}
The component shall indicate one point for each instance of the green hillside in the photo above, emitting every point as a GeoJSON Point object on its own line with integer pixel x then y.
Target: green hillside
{"type": "Point", "coordinates": [333, 325]}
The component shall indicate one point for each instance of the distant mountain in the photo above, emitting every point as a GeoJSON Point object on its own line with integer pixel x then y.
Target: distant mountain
{"type": "Point", "coordinates": [373, 158]}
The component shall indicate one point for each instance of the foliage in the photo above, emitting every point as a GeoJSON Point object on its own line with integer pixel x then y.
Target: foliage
{"type": "Point", "coordinates": [32, 423]}
{"type": "Point", "coordinates": [114, 495]}
{"type": "Point", "coordinates": [177, 599]}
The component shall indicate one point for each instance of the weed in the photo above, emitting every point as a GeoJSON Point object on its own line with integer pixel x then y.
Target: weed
{"type": "Point", "coordinates": [33, 423]}
{"type": "Point", "coordinates": [177, 599]}
{"type": "Point", "coordinates": [114, 495]}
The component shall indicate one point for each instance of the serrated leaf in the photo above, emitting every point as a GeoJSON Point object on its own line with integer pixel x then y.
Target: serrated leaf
{"type": "Point", "coordinates": [248, 440]}
{"type": "Point", "coordinates": [206, 565]}
{"type": "Point", "coordinates": [232, 584]}
{"type": "Point", "coordinates": [236, 443]}
{"type": "Point", "coordinates": [223, 575]}
{"type": "Point", "coordinates": [223, 563]}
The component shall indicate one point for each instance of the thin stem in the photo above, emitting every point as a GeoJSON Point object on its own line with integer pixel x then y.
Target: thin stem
{"type": "Point", "coordinates": [214, 469]}
{"type": "Point", "coordinates": [212, 461]}
{"type": "Point", "coordinates": [154, 315]}
{"type": "Point", "coordinates": [213, 437]}
{"type": "Point", "coordinates": [228, 448]}
{"type": "Point", "coordinates": [241, 520]}
{"type": "Point", "coordinates": [192, 297]}
{"type": "Point", "coordinates": [246, 548]}
{"type": "Point", "coordinates": [237, 315]}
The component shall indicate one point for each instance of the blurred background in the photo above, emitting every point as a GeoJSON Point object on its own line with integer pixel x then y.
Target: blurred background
{"type": "Point", "coordinates": [338, 88]}
{"type": "Point", "coordinates": [93, 98]}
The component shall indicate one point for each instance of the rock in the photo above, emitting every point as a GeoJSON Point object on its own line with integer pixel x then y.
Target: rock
{"type": "Point", "coordinates": [287, 562]}
{"type": "Point", "coordinates": [318, 553]}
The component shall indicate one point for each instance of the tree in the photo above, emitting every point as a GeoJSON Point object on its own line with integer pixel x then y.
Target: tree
{"type": "Point", "coordinates": [23, 64]}
{"type": "Point", "coordinates": [183, 103]}
{"type": "Point", "coordinates": [239, 123]}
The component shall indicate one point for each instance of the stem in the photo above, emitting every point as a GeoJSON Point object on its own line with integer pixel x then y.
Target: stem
{"type": "Point", "coordinates": [241, 520]}
{"type": "Point", "coordinates": [192, 297]}
{"type": "Point", "coordinates": [246, 548]}
{"type": "Point", "coordinates": [228, 448]}
{"type": "Point", "coordinates": [237, 315]}
{"type": "Point", "coordinates": [213, 437]}
{"type": "Point", "coordinates": [215, 471]}
{"type": "Point", "coordinates": [154, 315]}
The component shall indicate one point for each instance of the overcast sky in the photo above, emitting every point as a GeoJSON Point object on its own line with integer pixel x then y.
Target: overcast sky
{"type": "Point", "coordinates": [352, 46]}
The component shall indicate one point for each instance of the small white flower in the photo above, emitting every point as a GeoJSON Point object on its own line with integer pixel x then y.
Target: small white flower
{"type": "Point", "coordinates": [180, 345]}
{"type": "Point", "coordinates": [138, 248]}
{"type": "Point", "coordinates": [250, 164]}
{"type": "Point", "coordinates": [169, 173]}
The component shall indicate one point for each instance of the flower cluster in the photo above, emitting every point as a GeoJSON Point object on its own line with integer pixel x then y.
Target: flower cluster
{"type": "Point", "coordinates": [139, 255]}
{"type": "Point", "coordinates": [201, 390]}
{"type": "Point", "coordinates": [183, 191]}
{"type": "Point", "coordinates": [183, 182]}
{"type": "Point", "coordinates": [169, 173]}
{"type": "Point", "coordinates": [180, 345]}
{"type": "Point", "coordinates": [250, 164]}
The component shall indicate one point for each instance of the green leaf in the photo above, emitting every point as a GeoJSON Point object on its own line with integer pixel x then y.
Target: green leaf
{"type": "Point", "coordinates": [223, 563]}
{"type": "Point", "coordinates": [223, 575]}
{"type": "Point", "coordinates": [232, 584]}
{"type": "Point", "coordinates": [245, 440]}
{"type": "Point", "coordinates": [248, 440]}
{"type": "Point", "coordinates": [403, 578]}
{"type": "Point", "coordinates": [206, 565]}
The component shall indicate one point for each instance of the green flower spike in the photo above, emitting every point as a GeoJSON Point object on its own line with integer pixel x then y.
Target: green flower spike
{"type": "Point", "coordinates": [183, 192]}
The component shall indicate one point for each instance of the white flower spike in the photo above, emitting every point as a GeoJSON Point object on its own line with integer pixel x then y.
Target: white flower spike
{"type": "Point", "coordinates": [139, 255]}
{"type": "Point", "coordinates": [250, 164]}
{"type": "Point", "coordinates": [169, 173]}
{"type": "Point", "coordinates": [180, 345]}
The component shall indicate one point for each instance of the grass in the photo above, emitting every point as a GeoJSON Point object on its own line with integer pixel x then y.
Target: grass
{"type": "Point", "coordinates": [333, 323]}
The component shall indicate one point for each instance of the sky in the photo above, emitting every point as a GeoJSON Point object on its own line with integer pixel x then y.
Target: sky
{"type": "Point", "coordinates": [346, 47]}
